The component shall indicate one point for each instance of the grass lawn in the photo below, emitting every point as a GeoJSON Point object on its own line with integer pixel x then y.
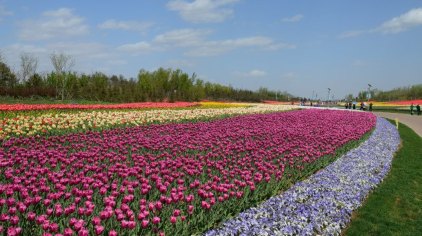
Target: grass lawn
{"type": "Point", "coordinates": [395, 207]}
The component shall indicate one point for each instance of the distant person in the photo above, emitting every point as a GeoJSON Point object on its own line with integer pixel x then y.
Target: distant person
{"type": "Point", "coordinates": [411, 109]}
{"type": "Point", "coordinates": [370, 106]}
{"type": "Point", "coordinates": [354, 106]}
{"type": "Point", "coordinates": [361, 106]}
{"type": "Point", "coordinates": [350, 105]}
{"type": "Point", "coordinates": [418, 109]}
{"type": "Point", "coordinates": [346, 105]}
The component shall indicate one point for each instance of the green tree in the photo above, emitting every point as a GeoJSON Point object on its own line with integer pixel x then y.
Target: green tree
{"type": "Point", "coordinates": [62, 63]}
{"type": "Point", "coordinates": [35, 81]}
{"type": "Point", "coordinates": [7, 77]}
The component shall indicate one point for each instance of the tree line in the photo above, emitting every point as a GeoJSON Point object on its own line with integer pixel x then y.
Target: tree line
{"type": "Point", "coordinates": [159, 85]}
{"type": "Point", "coordinates": [397, 94]}
{"type": "Point", "coordinates": [403, 93]}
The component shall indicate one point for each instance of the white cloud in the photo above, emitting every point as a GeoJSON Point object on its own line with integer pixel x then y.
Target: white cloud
{"type": "Point", "coordinates": [359, 63]}
{"type": "Point", "coordinates": [202, 11]}
{"type": "Point", "coordinates": [182, 37]}
{"type": "Point", "coordinates": [89, 56]}
{"type": "Point", "coordinates": [351, 34]}
{"type": "Point", "coordinates": [87, 50]}
{"type": "Point", "coordinates": [212, 48]}
{"type": "Point", "coordinates": [256, 73]}
{"type": "Point", "coordinates": [4, 12]}
{"type": "Point", "coordinates": [403, 22]}
{"type": "Point", "coordinates": [125, 25]}
{"type": "Point", "coordinates": [179, 63]}
{"type": "Point", "coordinates": [20, 48]}
{"type": "Point", "coordinates": [115, 62]}
{"type": "Point", "coordinates": [295, 18]}
{"type": "Point", "coordinates": [61, 23]}
{"type": "Point", "coordinates": [288, 76]}
{"type": "Point", "coordinates": [396, 25]}
{"type": "Point", "coordinates": [197, 44]}
{"type": "Point", "coordinates": [136, 48]}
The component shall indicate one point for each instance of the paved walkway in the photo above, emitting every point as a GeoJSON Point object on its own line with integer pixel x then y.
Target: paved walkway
{"type": "Point", "coordinates": [414, 122]}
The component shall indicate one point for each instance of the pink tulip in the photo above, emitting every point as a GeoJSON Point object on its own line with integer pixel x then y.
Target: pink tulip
{"type": "Point", "coordinates": [131, 224]}
{"type": "Point", "coordinates": [156, 220]}
{"type": "Point", "coordinates": [12, 210]}
{"type": "Point", "coordinates": [54, 227]}
{"type": "Point", "coordinates": [96, 221]}
{"type": "Point", "coordinates": [83, 232]}
{"type": "Point", "coordinates": [68, 232]}
{"type": "Point", "coordinates": [190, 209]}
{"type": "Point", "coordinates": [99, 229]}
{"type": "Point", "coordinates": [11, 231]}
{"type": "Point", "coordinates": [14, 220]}
{"type": "Point", "coordinates": [45, 226]}
{"type": "Point", "coordinates": [31, 216]}
{"type": "Point", "coordinates": [144, 223]}
{"type": "Point", "coordinates": [40, 219]}
{"type": "Point", "coordinates": [176, 212]}
{"type": "Point", "coordinates": [78, 226]}
{"type": "Point", "coordinates": [158, 205]}
{"type": "Point", "coordinates": [10, 202]}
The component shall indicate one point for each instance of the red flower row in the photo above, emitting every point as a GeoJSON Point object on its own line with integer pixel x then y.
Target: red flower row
{"type": "Point", "coordinates": [29, 107]}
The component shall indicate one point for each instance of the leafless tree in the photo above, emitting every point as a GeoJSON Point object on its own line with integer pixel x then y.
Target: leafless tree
{"type": "Point", "coordinates": [62, 63]}
{"type": "Point", "coordinates": [29, 64]}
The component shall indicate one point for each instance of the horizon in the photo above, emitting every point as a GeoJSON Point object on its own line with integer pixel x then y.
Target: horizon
{"type": "Point", "coordinates": [298, 47]}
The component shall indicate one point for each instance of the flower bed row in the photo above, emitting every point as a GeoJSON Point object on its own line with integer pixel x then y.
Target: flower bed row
{"type": "Point", "coordinates": [175, 179]}
{"type": "Point", "coordinates": [209, 104]}
{"type": "Point", "coordinates": [322, 204]}
{"type": "Point", "coordinates": [56, 123]}
{"type": "Point", "coordinates": [32, 107]}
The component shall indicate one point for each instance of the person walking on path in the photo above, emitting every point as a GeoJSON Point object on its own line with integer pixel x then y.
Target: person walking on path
{"type": "Point", "coordinates": [418, 109]}
{"type": "Point", "coordinates": [411, 109]}
{"type": "Point", "coordinates": [370, 106]}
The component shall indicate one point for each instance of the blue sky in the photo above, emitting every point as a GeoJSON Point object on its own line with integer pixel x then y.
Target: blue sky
{"type": "Point", "coordinates": [302, 47]}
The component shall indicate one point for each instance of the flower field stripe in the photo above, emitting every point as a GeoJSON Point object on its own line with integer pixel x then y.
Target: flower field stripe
{"type": "Point", "coordinates": [33, 107]}
{"type": "Point", "coordinates": [323, 203]}
{"type": "Point", "coordinates": [175, 179]}
{"type": "Point", "coordinates": [66, 122]}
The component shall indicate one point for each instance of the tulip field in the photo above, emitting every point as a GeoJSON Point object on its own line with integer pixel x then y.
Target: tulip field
{"type": "Point", "coordinates": [158, 172]}
{"type": "Point", "coordinates": [49, 123]}
{"type": "Point", "coordinates": [33, 107]}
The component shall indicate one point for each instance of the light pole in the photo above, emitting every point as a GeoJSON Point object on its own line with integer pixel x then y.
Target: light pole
{"type": "Point", "coordinates": [328, 97]}
{"type": "Point", "coordinates": [369, 91]}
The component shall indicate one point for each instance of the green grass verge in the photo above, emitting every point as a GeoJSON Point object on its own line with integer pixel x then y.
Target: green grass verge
{"type": "Point", "coordinates": [395, 207]}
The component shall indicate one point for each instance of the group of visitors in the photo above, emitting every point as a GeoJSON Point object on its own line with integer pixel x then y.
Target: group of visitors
{"type": "Point", "coordinates": [418, 109]}
{"type": "Point", "coordinates": [350, 105]}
